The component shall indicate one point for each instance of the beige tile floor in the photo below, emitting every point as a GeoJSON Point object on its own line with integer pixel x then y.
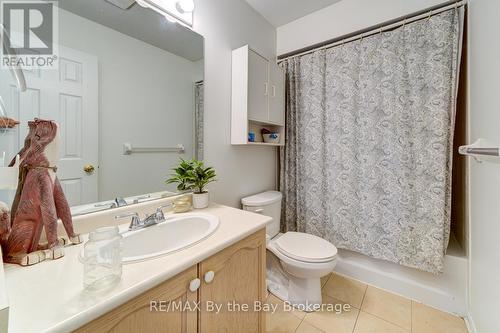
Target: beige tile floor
{"type": "Point", "coordinates": [372, 310]}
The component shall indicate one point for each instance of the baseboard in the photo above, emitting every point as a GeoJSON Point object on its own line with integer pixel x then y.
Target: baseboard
{"type": "Point", "coordinates": [446, 292]}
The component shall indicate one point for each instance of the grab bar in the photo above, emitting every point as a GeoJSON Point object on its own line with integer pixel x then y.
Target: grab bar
{"type": "Point", "coordinates": [129, 149]}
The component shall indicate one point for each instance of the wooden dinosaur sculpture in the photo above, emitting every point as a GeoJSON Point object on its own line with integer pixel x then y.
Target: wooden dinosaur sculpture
{"type": "Point", "coordinates": [39, 201]}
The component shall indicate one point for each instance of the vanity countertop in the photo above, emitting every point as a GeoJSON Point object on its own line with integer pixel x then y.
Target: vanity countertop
{"type": "Point", "coordinates": [49, 297]}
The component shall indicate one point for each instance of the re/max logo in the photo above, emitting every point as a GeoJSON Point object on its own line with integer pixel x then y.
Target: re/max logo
{"type": "Point", "coordinates": [176, 306]}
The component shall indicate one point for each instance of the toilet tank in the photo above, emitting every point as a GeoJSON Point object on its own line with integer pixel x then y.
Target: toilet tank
{"type": "Point", "coordinates": [266, 203]}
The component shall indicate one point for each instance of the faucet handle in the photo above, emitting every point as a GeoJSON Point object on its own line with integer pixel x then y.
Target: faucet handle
{"type": "Point", "coordinates": [138, 199]}
{"type": "Point", "coordinates": [134, 223]}
{"type": "Point", "coordinates": [160, 216]}
{"type": "Point", "coordinates": [120, 202]}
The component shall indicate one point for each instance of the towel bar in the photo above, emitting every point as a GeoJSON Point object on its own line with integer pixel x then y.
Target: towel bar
{"type": "Point", "coordinates": [482, 148]}
{"type": "Point", "coordinates": [129, 149]}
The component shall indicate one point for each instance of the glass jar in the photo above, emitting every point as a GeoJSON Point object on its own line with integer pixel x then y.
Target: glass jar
{"type": "Point", "coordinates": [102, 258]}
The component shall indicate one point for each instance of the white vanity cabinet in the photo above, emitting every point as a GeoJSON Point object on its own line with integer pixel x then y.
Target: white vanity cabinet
{"type": "Point", "coordinates": [276, 94]}
{"type": "Point", "coordinates": [258, 97]}
{"type": "Point", "coordinates": [258, 87]}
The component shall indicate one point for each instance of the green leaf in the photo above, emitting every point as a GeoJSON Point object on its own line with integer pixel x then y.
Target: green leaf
{"type": "Point", "coordinates": [192, 175]}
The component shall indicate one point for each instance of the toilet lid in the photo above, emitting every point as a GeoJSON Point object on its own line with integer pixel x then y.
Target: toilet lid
{"type": "Point", "coordinates": [305, 247]}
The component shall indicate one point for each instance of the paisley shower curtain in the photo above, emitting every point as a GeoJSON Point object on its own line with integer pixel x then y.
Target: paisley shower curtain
{"type": "Point", "coordinates": [367, 161]}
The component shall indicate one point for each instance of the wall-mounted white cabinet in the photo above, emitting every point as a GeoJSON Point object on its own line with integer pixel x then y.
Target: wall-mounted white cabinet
{"type": "Point", "coordinates": [258, 97]}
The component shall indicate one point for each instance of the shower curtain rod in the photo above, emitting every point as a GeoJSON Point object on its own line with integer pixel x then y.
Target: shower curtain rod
{"type": "Point", "coordinates": [385, 26]}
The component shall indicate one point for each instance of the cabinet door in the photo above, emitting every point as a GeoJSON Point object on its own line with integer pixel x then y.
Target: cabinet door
{"type": "Point", "coordinates": [140, 315]}
{"type": "Point", "coordinates": [239, 276]}
{"type": "Point", "coordinates": [258, 87]}
{"type": "Point", "coordinates": [277, 95]}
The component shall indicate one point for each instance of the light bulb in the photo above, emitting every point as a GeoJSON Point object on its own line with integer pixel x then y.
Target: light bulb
{"type": "Point", "coordinates": [185, 6]}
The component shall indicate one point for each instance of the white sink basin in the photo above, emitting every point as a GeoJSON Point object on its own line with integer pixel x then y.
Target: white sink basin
{"type": "Point", "coordinates": [177, 233]}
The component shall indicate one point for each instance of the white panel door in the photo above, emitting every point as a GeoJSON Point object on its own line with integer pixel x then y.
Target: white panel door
{"type": "Point", "coordinates": [258, 87]}
{"type": "Point", "coordinates": [70, 97]}
{"type": "Point", "coordinates": [277, 95]}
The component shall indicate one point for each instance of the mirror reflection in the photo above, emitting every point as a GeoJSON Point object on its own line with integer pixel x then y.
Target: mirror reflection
{"type": "Point", "coordinates": [128, 100]}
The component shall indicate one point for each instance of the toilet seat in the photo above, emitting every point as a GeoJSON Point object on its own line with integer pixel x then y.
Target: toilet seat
{"type": "Point", "coordinates": [305, 247]}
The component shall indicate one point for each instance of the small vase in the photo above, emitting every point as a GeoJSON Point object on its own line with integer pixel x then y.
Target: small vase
{"type": "Point", "coordinates": [200, 200]}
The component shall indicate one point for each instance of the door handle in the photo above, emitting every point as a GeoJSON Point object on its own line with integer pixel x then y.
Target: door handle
{"type": "Point", "coordinates": [89, 169]}
{"type": "Point", "coordinates": [209, 276]}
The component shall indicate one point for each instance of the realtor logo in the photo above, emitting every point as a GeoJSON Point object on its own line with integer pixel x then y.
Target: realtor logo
{"type": "Point", "coordinates": [30, 30]}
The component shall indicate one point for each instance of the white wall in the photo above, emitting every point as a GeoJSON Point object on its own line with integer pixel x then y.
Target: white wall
{"type": "Point", "coordinates": [484, 66]}
{"type": "Point", "coordinates": [342, 18]}
{"type": "Point", "coordinates": [146, 97]}
{"type": "Point", "coordinates": [226, 25]}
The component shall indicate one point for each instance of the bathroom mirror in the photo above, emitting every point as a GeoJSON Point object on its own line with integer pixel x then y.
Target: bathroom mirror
{"type": "Point", "coordinates": [128, 98]}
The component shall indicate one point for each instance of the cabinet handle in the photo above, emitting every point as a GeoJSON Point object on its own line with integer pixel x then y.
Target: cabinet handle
{"type": "Point", "coordinates": [274, 91]}
{"type": "Point", "coordinates": [194, 285]}
{"type": "Point", "coordinates": [209, 276]}
{"type": "Point", "coordinates": [266, 89]}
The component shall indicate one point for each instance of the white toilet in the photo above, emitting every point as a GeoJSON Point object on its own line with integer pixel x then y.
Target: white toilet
{"type": "Point", "coordinates": [295, 261]}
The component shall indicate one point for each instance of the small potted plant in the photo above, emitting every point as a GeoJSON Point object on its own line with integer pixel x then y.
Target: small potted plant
{"type": "Point", "coordinates": [193, 175]}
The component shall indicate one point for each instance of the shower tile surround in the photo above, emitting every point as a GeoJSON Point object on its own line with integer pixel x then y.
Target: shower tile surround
{"type": "Point", "coordinates": [373, 310]}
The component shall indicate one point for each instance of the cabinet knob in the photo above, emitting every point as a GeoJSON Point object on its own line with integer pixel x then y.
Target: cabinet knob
{"type": "Point", "coordinates": [209, 276]}
{"type": "Point", "coordinates": [194, 285]}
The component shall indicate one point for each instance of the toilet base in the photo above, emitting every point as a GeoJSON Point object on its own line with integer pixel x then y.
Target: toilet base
{"type": "Point", "coordinates": [303, 294]}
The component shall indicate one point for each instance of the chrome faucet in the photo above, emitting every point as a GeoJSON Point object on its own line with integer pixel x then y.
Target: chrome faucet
{"type": "Point", "coordinates": [159, 212]}
{"type": "Point", "coordinates": [135, 223]}
{"type": "Point", "coordinates": [120, 202]}
{"type": "Point", "coordinates": [149, 220]}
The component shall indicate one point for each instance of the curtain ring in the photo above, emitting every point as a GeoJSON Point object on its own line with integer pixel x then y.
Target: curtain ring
{"type": "Point", "coordinates": [343, 42]}
{"type": "Point", "coordinates": [430, 14]}
{"type": "Point", "coordinates": [380, 31]}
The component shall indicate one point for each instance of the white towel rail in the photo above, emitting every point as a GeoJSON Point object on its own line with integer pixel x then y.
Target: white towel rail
{"type": "Point", "coordinates": [129, 149]}
{"type": "Point", "coordinates": [480, 150]}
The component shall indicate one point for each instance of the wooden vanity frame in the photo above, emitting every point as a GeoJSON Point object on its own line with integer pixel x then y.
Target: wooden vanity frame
{"type": "Point", "coordinates": [240, 276]}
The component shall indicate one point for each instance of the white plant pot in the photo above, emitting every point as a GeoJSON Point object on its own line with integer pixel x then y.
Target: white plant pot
{"type": "Point", "coordinates": [200, 200]}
